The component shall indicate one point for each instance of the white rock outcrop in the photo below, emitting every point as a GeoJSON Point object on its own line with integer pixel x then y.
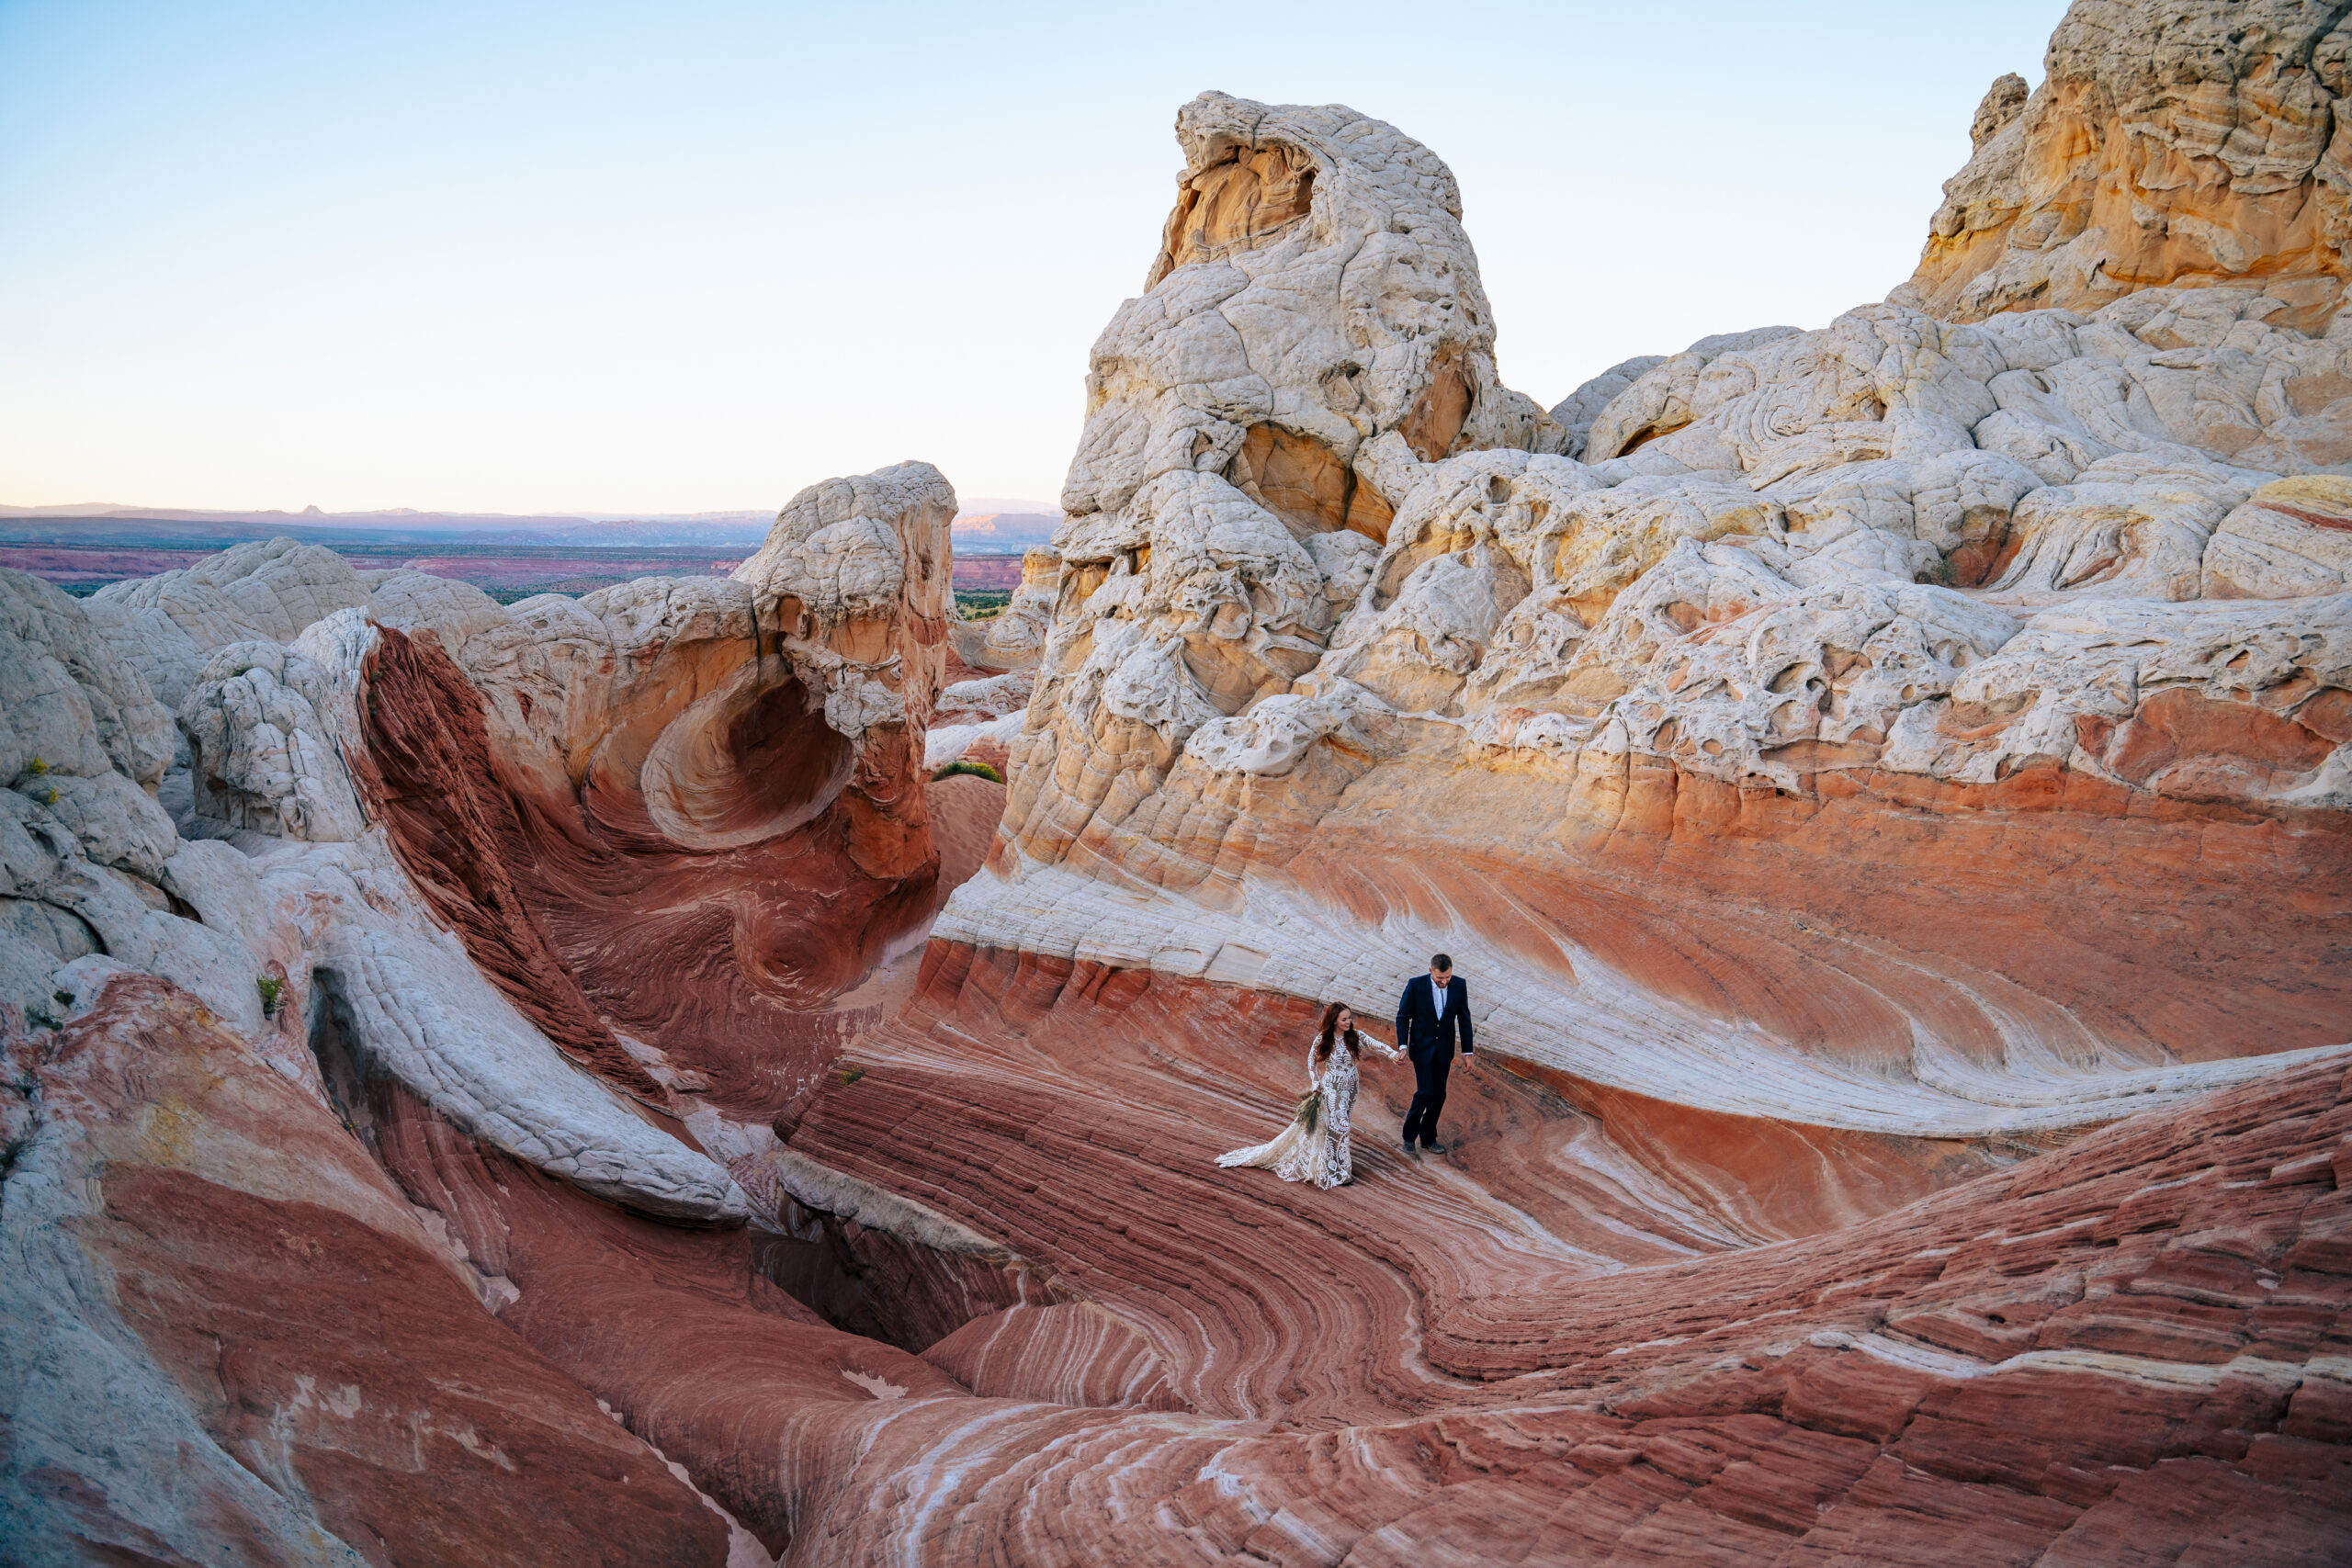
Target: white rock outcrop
{"type": "Point", "coordinates": [1927, 554]}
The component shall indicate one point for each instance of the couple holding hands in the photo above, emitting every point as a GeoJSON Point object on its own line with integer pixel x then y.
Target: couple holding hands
{"type": "Point", "coordinates": [1316, 1147]}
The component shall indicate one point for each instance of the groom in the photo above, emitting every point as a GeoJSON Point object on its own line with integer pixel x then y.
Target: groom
{"type": "Point", "coordinates": [1434, 1006]}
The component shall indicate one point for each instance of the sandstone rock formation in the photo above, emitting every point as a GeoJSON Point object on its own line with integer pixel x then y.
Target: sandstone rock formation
{"type": "Point", "coordinates": [2119, 1352]}
{"type": "Point", "coordinates": [1890, 786]}
{"type": "Point", "coordinates": [487, 868]}
{"type": "Point", "coordinates": [1822, 614]}
{"type": "Point", "coordinates": [978, 721]}
{"type": "Point", "coordinates": [2169, 144]}
{"type": "Point", "coordinates": [1216, 389]}
{"type": "Point", "coordinates": [1907, 739]}
{"type": "Point", "coordinates": [232, 1339]}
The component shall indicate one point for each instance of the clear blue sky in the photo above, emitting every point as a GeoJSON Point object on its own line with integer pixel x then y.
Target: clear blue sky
{"type": "Point", "coordinates": [688, 256]}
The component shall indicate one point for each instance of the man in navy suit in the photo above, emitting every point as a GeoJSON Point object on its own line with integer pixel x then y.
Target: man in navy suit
{"type": "Point", "coordinates": [1434, 1006]}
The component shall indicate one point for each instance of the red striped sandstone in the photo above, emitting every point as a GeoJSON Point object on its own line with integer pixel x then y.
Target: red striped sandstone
{"type": "Point", "coordinates": [1453, 1364]}
{"type": "Point", "coordinates": [231, 1339]}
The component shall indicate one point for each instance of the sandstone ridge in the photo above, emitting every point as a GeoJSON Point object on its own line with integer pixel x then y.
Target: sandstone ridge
{"type": "Point", "coordinates": [568, 879]}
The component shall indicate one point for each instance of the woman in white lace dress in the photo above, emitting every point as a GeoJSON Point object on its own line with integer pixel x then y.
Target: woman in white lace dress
{"type": "Point", "coordinates": [1316, 1145]}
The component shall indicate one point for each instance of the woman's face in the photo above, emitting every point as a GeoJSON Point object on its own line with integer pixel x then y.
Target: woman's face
{"type": "Point", "coordinates": [1346, 1020]}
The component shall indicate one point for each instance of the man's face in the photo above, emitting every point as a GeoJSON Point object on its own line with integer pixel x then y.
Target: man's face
{"type": "Point", "coordinates": [1438, 978]}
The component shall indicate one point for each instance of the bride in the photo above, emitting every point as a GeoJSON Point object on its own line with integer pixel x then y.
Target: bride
{"type": "Point", "coordinates": [1315, 1146]}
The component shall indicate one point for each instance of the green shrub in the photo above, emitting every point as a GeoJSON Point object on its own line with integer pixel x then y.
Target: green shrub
{"type": "Point", "coordinates": [978, 769]}
{"type": "Point", "coordinates": [272, 990]}
{"type": "Point", "coordinates": [982, 604]}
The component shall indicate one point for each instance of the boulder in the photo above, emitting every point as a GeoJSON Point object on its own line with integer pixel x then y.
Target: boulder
{"type": "Point", "coordinates": [67, 705]}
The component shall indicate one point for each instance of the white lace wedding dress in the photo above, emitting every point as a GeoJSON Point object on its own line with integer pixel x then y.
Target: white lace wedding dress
{"type": "Point", "coordinates": [1323, 1155]}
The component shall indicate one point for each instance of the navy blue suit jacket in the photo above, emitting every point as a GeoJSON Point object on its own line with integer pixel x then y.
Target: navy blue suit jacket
{"type": "Point", "coordinates": [1424, 1027]}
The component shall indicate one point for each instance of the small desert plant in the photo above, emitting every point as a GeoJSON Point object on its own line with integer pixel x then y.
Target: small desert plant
{"type": "Point", "coordinates": [34, 769]}
{"type": "Point", "coordinates": [848, 1073]}
{"type": "Point", "coordinates": [978, 769]}
{"type": "Point", "coordinates": [273, 989]}
{"type": "Point", "coordinates": [1941, 573]}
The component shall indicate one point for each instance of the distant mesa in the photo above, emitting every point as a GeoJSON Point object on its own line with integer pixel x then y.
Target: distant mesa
{"type": "Point", "coordinates": [750, 526]}
{"type": "Point", "coordinates": [1006, 533]}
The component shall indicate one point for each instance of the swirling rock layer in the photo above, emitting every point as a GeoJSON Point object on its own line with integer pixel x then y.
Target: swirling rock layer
{"type": "Point", "coordinates": [454, 871]}
{"type": "Point", "coordinates": [2128, 1347]}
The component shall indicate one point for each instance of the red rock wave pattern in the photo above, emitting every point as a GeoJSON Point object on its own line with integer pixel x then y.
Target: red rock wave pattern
{"type": "Point", "coordinates": [2127, 1350]}
{"type": "Point", "coordinates": [428, 776]}
{"type": "Point", "coordinates": [330, 1369]}
{"type": "Point", "coordinates": [2133, 1348]}
{"type": "Point", "coordinates": [590, 918]}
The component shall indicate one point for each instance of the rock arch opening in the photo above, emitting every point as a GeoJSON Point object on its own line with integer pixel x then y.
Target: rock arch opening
{"type": "Point", "coordinates": [751, 761]}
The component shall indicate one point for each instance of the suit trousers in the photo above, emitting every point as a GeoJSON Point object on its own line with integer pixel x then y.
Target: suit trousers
{"type": "Point", "coordinates": [1429, 1095]}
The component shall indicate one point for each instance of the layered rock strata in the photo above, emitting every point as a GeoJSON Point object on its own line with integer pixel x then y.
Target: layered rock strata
{"type": "Point", "coordinates": [1844, 767]}
{"type": "Point", "coordinates": [1558, 1348]}
{"type": "Point", "coordinates": [232, 1339]}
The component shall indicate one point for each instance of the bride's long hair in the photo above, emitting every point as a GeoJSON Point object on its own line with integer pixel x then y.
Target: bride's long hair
{"type": "Point", "coordinates": [1330, 1026]}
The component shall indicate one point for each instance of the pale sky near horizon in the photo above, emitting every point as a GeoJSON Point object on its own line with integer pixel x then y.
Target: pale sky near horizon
{"type": "Point", "coordinates": [693, 256]}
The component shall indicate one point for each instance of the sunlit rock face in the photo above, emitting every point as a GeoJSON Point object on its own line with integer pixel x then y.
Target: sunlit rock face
{"type": "Point", "coordinates": [1888, 787]}
{"type": "Point", "coordinates": [1313, 290]}
{"type": "Point", "coordinates": [2190, 144]}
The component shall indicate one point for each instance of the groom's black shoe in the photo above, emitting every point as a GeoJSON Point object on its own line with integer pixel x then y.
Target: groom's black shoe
{"type": "Point", "coordinates": [1409, 1150]}
{"type": "Point", "coordinates": [1433, 1148]}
